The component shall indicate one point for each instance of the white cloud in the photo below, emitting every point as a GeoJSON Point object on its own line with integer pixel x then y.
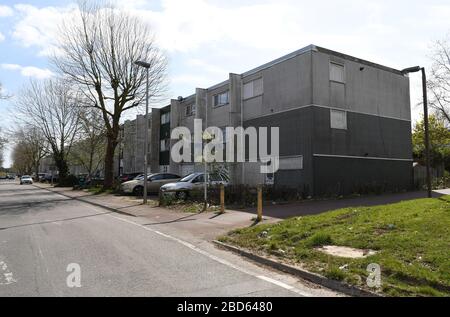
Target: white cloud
{"type": "Point", "coordinates": [2, 37]}
{"type": "Point", "coordinates": [206, 39]}
{"type": "Point", "coordinates": [29, 71]}
{"type": "Point", "coordinates": [6, 11]}
{"type": "Point", "coordinates": [38, 26]}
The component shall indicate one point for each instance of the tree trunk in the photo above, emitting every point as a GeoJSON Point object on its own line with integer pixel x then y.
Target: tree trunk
{"type": "Point", "coordinates": [109, 163]}
{"type": "Point", "coordinates": [61, 165]}
{"type": "Point", "coordinates": [36, 168]}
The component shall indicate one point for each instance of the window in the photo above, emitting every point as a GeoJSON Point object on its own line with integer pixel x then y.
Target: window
{"type": "Point", "coordinates": [291, 163]}
{"type": "Point", "coordinates": [165, 118]}
{"type": "Point", "coordinates": [221, 99]}
{"type": "Point", "coordinates": [190, 110]}
{"type": "Point", "coordinates": [338, 119]}
{"type": "Point", "coordinates": [157, 178]}
{"type": "Point", "coordinates": [337, 72]}
{"type": "Point", "coordinates": [199, 179]}
{"type": "Point", "coordinates": [165, 145]}
{"type": "Point", "coordinates": [171, 176]}
{"type": "Point", "coordinates": [253, 88]}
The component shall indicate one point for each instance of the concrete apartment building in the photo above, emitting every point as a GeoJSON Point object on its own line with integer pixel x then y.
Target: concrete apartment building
{"type": "Point", "coordinates": [345, 123]}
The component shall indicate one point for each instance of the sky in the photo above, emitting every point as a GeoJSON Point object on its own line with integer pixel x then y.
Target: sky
{"type": "Point", "coordinates": [205, 40]}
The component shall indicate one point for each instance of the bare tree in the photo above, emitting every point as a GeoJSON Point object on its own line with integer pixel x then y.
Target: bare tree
{"type": "Point", "coordinates": [89, 150]}
{"type": "Point", "coordinates": [21, 164]}
{"type": "Point", "coordinates": [3, 142]}
{"type": "Point", "coordinates": [2, 95]}
{"type": "Point", "coordinates": [51, 107]}
{"type": "Point", "coordinates": [30, 148]}
{"type": "Point", "coordinates": [98, 52]}
{"type": "Point", "coordinates": [439, 82]}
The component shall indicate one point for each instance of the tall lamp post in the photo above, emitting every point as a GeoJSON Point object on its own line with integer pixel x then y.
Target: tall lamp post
{"type": "Point", "coordinates": [425, 120]}
{"type": "Point", "coordinates": [147, 67]}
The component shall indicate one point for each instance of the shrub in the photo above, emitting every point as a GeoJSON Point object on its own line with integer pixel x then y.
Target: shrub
{"type": "Point", "coordinates": [335, 273]}
{"type": "Point", "coordinates": [68, 181]}
{"type": "Point", "coordinates": [319, 239]}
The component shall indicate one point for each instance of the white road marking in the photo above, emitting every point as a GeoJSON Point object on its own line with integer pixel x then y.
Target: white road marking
{"type": "Point", "coordinates": [217, 259]}
{"type": "Point", "coordinates": [8, 275]}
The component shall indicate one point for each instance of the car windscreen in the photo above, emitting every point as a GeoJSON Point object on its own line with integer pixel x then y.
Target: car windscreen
{"type": "Point", "coordinates": [188, 178]}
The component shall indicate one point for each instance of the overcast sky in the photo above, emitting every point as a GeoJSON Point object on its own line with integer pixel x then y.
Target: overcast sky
{"type": "Point", "coordinates": [207, 39]}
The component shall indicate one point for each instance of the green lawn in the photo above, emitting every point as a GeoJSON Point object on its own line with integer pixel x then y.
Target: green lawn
{"type": "Point", "coordinates": [412, 240]}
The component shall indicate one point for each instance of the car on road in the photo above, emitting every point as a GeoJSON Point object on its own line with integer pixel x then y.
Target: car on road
{"type": "Point", "coordinates": [154, 183]}
{"type": "Point", "coordinates": [26, 179]}
{"type": "Point", "coordinates": [191, 182]}
{"type": "Point", "coordinates": [11, 176]}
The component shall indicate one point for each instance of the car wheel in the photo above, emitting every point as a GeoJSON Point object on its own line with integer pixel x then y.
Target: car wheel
{"type": "Point", "coordinates": [138, 191]}
{"type": "Point", "coordinates": [181, 195]}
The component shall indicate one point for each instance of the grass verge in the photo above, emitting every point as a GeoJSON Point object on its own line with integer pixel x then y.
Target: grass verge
{"type": "Point", "coordinates": [412, 240]}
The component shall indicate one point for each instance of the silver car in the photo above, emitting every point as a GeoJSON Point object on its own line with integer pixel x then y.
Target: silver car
{"type": "Point", "coordinates": [191, 182]}
{"type": "Point", "coordinates": [26, 179]}
{"type": "Point", "coordinates": [154, 182]}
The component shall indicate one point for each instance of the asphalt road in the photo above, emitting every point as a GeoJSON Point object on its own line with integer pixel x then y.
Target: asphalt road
{"type": "Point", "coordinates": [42, 233]}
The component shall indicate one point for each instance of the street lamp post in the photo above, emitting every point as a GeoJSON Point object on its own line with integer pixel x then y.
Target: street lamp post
{"type": "Point", "coordinates": [147, 67]}
{"type": "Point", "coordinates": [425, 120]}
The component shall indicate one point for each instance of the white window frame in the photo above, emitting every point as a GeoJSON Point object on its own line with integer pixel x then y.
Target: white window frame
{"type": "Point", "coordinates": [337, 80]}
{"type": "Point", "coordinates": [219, 103]}
{"type": "Point", "coordinates": [335, 123]}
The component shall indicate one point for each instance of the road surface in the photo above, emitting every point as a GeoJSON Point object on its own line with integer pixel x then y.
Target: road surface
{"type": "Point", "coordinates": [51, 245]}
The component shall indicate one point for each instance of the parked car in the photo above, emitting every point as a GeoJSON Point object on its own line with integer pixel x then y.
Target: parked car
{"type": "Point", "coordinates": [41, 177]}
{"type": "Point", "coordinates": [191, 182]}
{"type": "Point", "coordinates": [128, 177]}
{"type": "Point", "coordinates": [154, 183]}
{"type": "Point", "coordinates": [48, 178]}
{"type": "Point", "coordinates": [26, 179]}
{"type": "Point", "coordinates": [11, 176]}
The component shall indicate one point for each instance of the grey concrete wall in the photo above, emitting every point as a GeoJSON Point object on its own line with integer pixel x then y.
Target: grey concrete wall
{"type": "Point", "coordinates": [133, 145]}
{"type": "Point", "coordinates": [140, 144]}
{"type": "Point", "coordinates": [367, 89]}
{"type": "Point", "coordinates": [345, 176]}
{"type": "Point", "coordinates": [218, 116]}
{"type": "Point", "coordinates": [154, 140]}
{"type": "Point", "coordinates": [286, 86]}
{"type": "Point", "coordinates": [176, 112]}
{"type": "Point", "coordinates": [296, 137]}
{"type": "Point", "coordinates": [129, 146]}
{"type": "Point", "coordinates": [366, 135]}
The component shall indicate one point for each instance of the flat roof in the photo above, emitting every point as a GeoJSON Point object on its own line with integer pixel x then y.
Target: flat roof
{"type": "Point", "coordinates": [306, 49]}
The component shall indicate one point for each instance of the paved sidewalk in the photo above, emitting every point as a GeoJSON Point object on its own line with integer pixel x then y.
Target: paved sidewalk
{"type": "Point", "coordinates": [204, 226]}
{"type": "Point", "coordinates": [207, 226]}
